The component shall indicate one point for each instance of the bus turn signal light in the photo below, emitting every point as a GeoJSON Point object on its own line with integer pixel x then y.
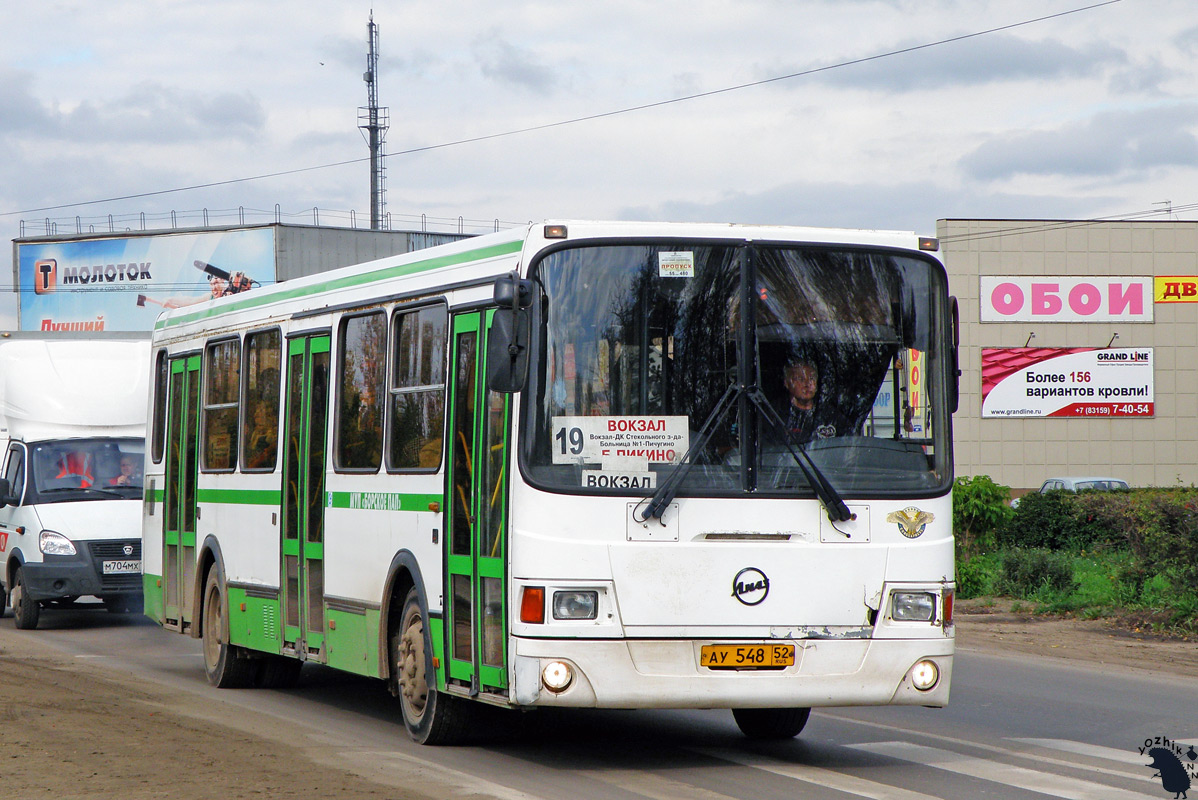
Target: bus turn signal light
{"type": "Point", "coordinates": [532, 605]}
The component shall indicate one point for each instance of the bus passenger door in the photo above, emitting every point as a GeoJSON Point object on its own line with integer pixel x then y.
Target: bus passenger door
{"type": "Point", "coordinates": [302, 532]}
{"type": "Point", "coordinates": [179, 513]}
{"type": "Point", "coordinates": [477, 523]}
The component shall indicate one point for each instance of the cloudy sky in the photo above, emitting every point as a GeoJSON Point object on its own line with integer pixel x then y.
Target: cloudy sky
{"type": "Point", "coordinates": [118, 107]}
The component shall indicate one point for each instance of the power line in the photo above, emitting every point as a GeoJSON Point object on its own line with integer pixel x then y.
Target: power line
{"type": "Point", "coordinates": [586, 118]}
{"type": "Point", "coordinates": [1047, 226]}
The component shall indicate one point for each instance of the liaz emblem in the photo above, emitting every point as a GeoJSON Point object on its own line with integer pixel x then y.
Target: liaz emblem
{"type": "Point", "coordinates": [750, 586]}
{"type": "Point", "coordinates": [911, 521]}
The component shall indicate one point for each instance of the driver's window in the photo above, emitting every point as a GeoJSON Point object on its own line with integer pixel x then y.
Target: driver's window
{"type": "Point", "coordinates": [14, 471]}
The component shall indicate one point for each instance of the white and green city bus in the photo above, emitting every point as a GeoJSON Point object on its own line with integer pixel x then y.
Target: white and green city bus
{"type": "Point", "coordinates": [553, 467]}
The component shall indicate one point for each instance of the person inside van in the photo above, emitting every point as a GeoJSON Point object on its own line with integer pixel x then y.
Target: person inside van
{"type": "Point", "coordinates": [76, 464]}
{"type": "Point", "coordinates": [128, 475]}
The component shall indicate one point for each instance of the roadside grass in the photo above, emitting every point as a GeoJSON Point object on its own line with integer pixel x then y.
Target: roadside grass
{"type": "Point", "coordinates": [1131, 556]}
{"type": "Point", "coordinates": [1103, 584]}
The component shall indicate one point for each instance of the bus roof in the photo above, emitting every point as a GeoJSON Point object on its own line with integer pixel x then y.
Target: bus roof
{"type": "Point", "coordinates": [489, 255]}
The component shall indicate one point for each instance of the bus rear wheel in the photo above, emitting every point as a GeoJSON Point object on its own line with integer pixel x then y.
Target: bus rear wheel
{"type": "Point", "coordinates": [771, 723]}
{"type": "Point", "coordinates": [226, 665]}
{"type": "Point", "coordinates": [430, 716]}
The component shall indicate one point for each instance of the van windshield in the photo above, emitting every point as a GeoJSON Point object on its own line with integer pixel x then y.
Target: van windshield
{"type": "Point", "coordinates": [80, 469]}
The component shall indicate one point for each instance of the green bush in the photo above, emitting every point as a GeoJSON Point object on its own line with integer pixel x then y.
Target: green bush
{"type": "Point", "coordinates": [973, 579]}
{"type": "Point", "coordinates": [1028, 573]}
{"type": "Point", "coordinates": [1059, 521]}
{"type": "Point", "coordinates": [1159, 526]}
{"type": "Point", "coordinates": [979, 509]}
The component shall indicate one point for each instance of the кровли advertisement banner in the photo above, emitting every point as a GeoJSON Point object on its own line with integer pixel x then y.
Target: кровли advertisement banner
{"type": "Point", "coordinates": [1067, 382]}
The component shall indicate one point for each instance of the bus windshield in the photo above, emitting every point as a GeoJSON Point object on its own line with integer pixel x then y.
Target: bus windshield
{"type": "Point", "coordinates": [732, 356]}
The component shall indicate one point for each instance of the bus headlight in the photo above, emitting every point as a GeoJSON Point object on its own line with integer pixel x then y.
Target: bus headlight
{"type": "Point", "coordinates": [557, 676]}
{"type": "Point", "coordinates": [55, 544]}
{"type": "Point", "coordinates": [925, 675]}
{"type": "Point", "coordinates": [576, 605]}
{"type": "Point", "coordinates": [913, 606]}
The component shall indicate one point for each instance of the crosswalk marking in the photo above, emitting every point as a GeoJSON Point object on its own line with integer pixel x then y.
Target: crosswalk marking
{"type": "Point", "coordinates": [972, 766]}
{"type": "Point", "coordinates": [1092, 750]}
{"type": "Point", "coordinates": [1001, 751]}
{"type": "Point", "coordinates": [841, 782]}
{"type": "Point", "coordinates": [648, 784]}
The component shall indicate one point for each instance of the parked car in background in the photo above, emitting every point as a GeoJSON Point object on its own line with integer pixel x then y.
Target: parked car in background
{"type": "Point", "coordinates": [1078, 484]}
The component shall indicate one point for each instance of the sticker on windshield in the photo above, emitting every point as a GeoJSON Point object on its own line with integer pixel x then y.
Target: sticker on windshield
{"type": "Point", "coordinates": [629, 440]}
{"type": "Point", "coordinates": [676, 264]}
{"type": "Point", "coordinates": [601, 479]}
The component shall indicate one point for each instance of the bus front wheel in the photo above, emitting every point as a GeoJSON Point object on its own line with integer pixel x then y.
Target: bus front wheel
{"type": "Point", "coordinates": [430, 716]}
{"type": "Point", "coordinates": [771, 723]}
{"type": "Point", "coordinates": [225, 664]}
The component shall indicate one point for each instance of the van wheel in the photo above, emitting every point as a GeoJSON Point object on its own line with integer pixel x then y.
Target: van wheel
{"type": "Point", "coordinates": [226, 665]}
{"type": "Point", "coordinates": [771, 723]}
{"type": "Point", "coordinates": [429, 716]}
{"type": "Point", "coordinates": [25, 609]}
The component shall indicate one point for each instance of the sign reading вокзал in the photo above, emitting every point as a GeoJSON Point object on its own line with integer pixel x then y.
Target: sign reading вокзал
{"type": "Point", "coordinates": [1067, 382]}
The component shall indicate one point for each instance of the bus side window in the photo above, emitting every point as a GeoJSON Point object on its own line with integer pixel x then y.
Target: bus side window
{"type": "Point", "coordinates": [260, 425]}
{"type": "Point", "coordinates": [223, 370]}
{"type": "Point", "coordinates": [417, 390]}
{"type": "Point", "coordinates": [361, 372]}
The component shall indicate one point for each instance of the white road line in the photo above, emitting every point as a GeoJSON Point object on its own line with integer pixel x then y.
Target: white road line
{"type": "Point", "coordinates": [989, 748]}
{"type": "Point", "coordinates": [650, 785]}
{"type": "Point", "coordinates": [1130, 756]}
{"type": "Point", "coordinates": [974, 767]}
{"type": "Point", "coordinates": [841, 782]}
{"type": "Point", "coordinates": [420, 773]}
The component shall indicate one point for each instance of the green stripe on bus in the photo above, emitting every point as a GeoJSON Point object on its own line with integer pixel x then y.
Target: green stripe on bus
{"type": "Point", "coordinates": [382, 501]}
{"type": "Point", "coordinates": [253, 300]}
{"type": "Point", "coordinates": [242, 497]}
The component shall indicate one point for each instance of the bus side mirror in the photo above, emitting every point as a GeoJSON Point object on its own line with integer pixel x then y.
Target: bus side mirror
{"type": "Point", "coordinates": [507, 342]}
{"type": "Point", "coordinates": [512, 292]}
{"type": "Point", "coordinates": [6, 498]}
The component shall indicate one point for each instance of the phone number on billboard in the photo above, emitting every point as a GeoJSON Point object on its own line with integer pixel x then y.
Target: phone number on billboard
{"type": "Point", "coordinates": [1114, 410]}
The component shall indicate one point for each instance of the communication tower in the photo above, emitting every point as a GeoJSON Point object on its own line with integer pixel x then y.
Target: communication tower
{"type": "Point", "coordinates": [373, 120]}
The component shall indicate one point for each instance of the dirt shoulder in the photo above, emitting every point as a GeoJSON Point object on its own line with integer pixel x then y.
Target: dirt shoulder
{"type": "Point", "coordinates": [74, 729]}
{"type": "Point", "coordinates": [992, 626]}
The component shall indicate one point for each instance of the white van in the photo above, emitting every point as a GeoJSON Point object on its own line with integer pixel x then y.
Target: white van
{"type": "Point", "coordinates": [73, 433]}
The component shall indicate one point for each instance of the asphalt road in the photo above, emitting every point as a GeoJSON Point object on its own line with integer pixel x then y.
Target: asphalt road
{"type": "Point", "coordinates": [1016, 727]}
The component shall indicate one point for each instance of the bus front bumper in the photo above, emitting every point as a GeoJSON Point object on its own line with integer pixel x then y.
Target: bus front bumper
{"type": "Point", "coordinates": [667, 674]}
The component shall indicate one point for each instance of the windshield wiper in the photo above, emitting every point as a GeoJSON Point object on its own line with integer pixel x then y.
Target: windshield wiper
{"type": "Point", "coordinates": [824, 490]}
{"type": "Point", "coordinates": [669, 487]}
{"type": "Point", "coordinates": [833, 503]}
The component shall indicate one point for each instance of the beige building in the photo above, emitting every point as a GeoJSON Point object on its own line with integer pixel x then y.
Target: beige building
{"type": "Point", "coordinates": [1086, 335]}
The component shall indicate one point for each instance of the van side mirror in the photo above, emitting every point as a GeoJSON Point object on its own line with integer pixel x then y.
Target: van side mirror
{"type": "Point", "coordinates": [511, 328]}
{"type": "Point", "coordinates": [6, 498]}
